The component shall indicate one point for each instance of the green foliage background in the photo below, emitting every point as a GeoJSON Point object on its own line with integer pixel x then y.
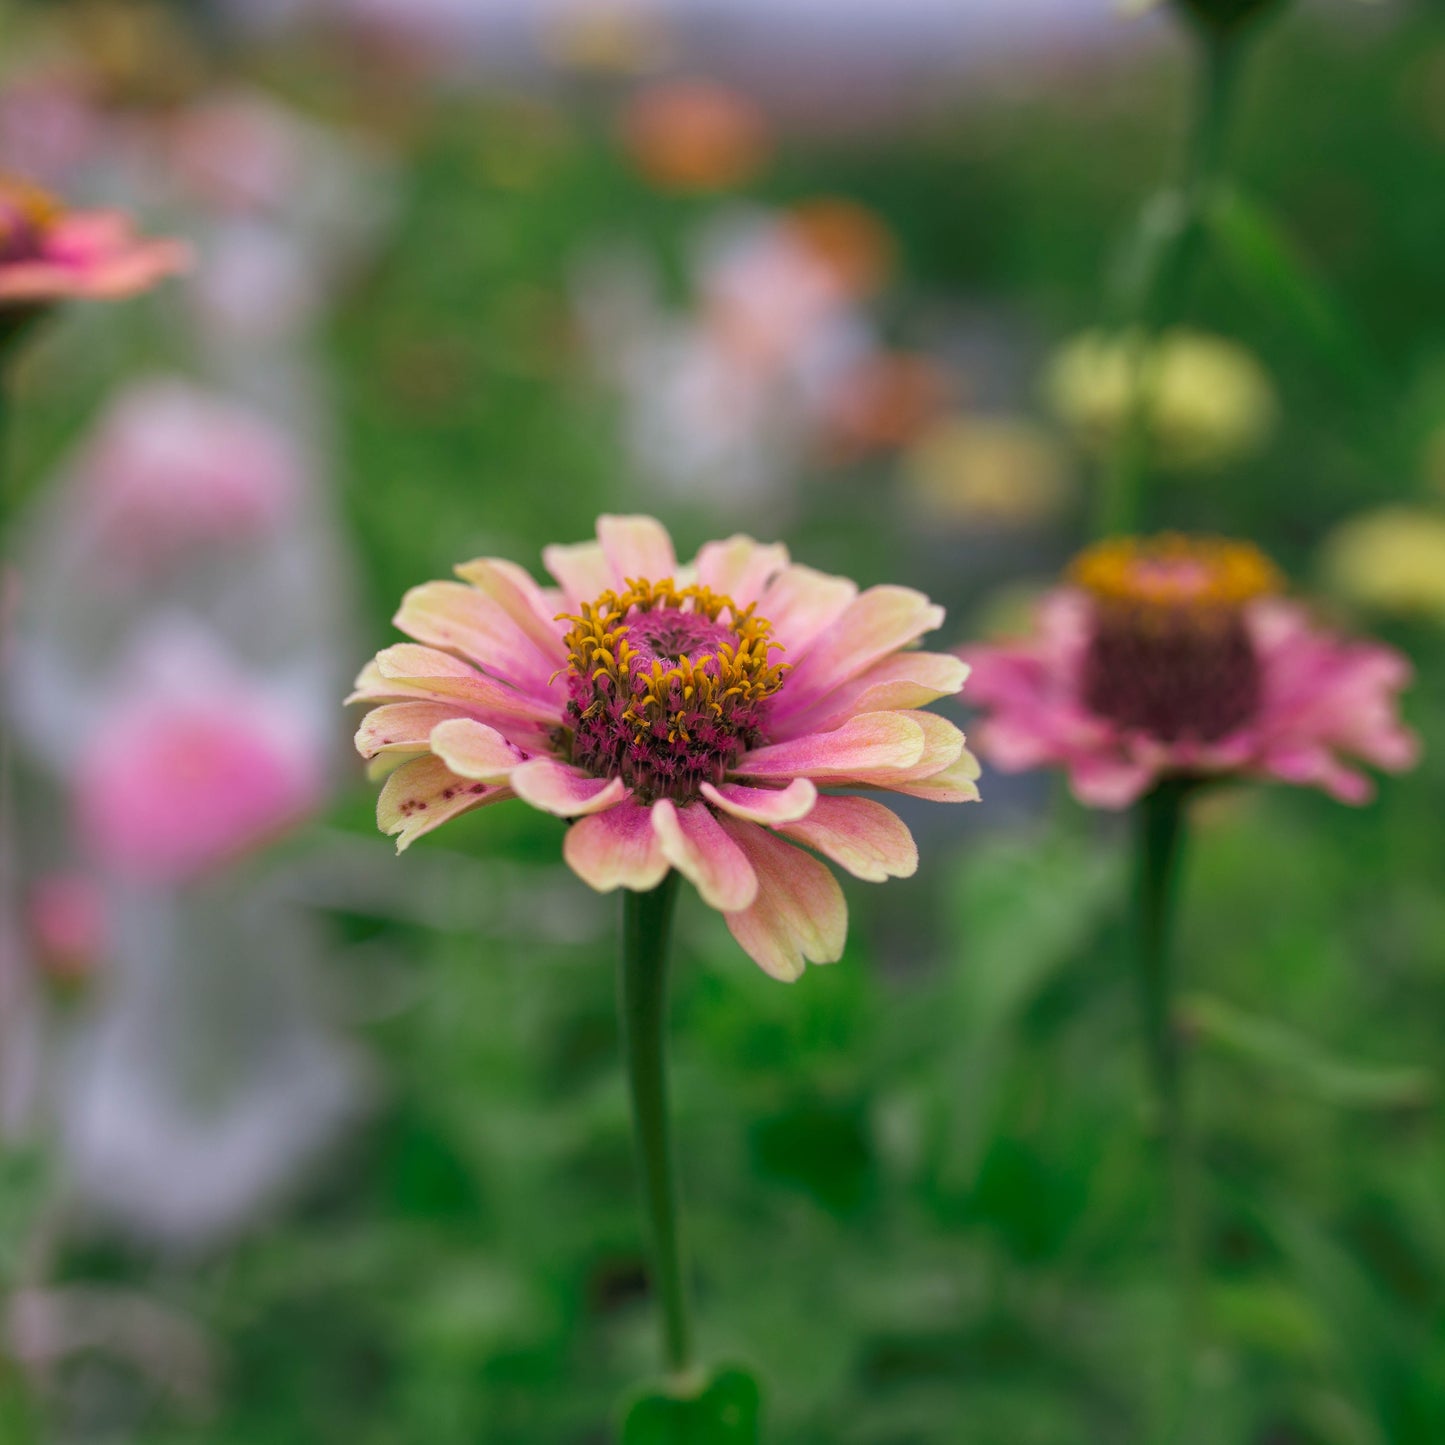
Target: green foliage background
{"type": "Point", "coordinates": [923, 1202]}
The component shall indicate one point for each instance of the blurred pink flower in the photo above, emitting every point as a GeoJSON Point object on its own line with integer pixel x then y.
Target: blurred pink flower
{"type": "Point", "coordinates": [174, 466]}
{"type": "Point", "coordinates": [1171, 657]}
{"type": "Point", "coordinates": [190, 771]}
{"type": "Point", "coordinates": [48, 253]}
{"type": "Point", "coordinates": [67, 924]}
{"type": "Point", "coordinates": [653, 713]}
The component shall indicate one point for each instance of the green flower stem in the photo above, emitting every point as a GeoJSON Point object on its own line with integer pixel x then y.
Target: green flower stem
{"type": "Point", "coordinates": [1162, 825]}
{"type": "Point", "coordinates": [1170, 268]}
{"type": "Point", "coordinates": [646, 934]}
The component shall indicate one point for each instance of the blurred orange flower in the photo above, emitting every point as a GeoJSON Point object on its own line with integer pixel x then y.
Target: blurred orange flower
{"type": "Point", "coordinates": [852, 242]}
{"type": "Point", "coordinates": [694, 135]}
{"type": "Point", "coordinates": [886, 401]}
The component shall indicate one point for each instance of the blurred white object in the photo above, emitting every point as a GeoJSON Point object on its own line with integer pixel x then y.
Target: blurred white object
{"type": "Point", "coordinates": [722, 402]}
{"type": "Point", "coordinates": [201, 1090]}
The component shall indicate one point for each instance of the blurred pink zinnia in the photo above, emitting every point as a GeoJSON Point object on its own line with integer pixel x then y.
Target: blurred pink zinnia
{"type": "Point", "coordinates": [48, 253]}
{"type": "Point", "coordinates": [180, 780]}
{"type": "Point", "coordinates": [1173, 657]}
{"type": "Point", "coordinates": [642, 699]}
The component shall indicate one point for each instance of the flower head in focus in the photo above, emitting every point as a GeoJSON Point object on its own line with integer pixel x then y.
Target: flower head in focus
{"type": "Point", "coordinates": [684, 716]}
{"type": "Point", "coordinates": [1176, 657]}
{"type": "Point", "coordinates": [1390, 561]}
{"type": "Point", "coordinates": [50, 254]}
{"type": "Point", "coordinates": [1211, 402]}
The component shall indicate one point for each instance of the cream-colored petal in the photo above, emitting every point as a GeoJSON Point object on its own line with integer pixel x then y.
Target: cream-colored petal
{"type": "Point", "coordinates": [616, 849]}
{"type": "Point", "coordinates": [870, 841]}
{"type": "Point", "coordinates": [954, 784]}
{"type": "Point", "coordinates": [799, 916]}
{"type": "Point", "coordinates": [880, 621]}
{"type": "Point", "coordinates": [461, 619]}
{"type": "Point", "coordinates": [875, 741]}
{"type": "Point", "coordinates": [582, 571]}
{"type": "Point", "coordinates": [555, 787]}
{"type": "Point", "coordinates": [514, 591]}
{"type": "Point", "coordinates": [636, 547]}
{"type": "Point", "coordinates": [474, 750]}
{"type": "Point", "coordinates": [906, 680]}
{"type": "Point", "coordinates": [695, 844]}
{"type": "Point", "coordinates": [771, 806]}
{"type": "Point", "coordinates": [407, 671]}
{"type": "Point", "coordinates": [802, 603]}
{"type": "Point", "coordinates": [740, 568]}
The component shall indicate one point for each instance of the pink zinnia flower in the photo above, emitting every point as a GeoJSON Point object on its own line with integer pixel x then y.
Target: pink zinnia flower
{"type": "Point", "coordinates": [1175, 657]}
{"type": "Point", "coordinates": [684, 716]}
{"type": "Point", "coordinates": [184, 776]}
{"type": "Point", "coordinates": [174, 467]}
{"type": "Point", "coordinates": [49, 254]}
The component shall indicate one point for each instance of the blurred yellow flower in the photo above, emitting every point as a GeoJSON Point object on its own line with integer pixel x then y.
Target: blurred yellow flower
{"type": "Point", "coordinates": [601, 38]}
{"type": "Point", "coordinates": [1212, 401]}
{"type": "Point", "coordinates": [1001, 471]}
{"type": "Point", "coordinates": [1391, 561]}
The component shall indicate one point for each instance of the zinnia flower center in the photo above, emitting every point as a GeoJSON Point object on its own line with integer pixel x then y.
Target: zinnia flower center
{"type": "Point", "coordinates": [1171, 653]}
{"type": "Point", "coordinates": [26, 214]}
{"type": "Point", "coordinates": [666, 686]}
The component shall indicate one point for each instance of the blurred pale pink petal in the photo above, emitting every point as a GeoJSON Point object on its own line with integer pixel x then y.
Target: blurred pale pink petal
{"type": "Point", "coordinates": [175, 467]}
{"type": "Point", "coordinates": [175, 782]}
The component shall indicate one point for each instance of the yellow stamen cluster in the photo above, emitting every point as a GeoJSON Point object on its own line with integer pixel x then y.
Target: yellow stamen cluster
{"type": "Point", "coordinates": [734, 674]}
{"type": "Point", "coordinates": [1173, 573]}
{"type": "Point", "coordinates": [28, 203]}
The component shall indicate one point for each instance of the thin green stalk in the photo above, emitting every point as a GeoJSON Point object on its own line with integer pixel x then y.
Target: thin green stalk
{"type": "Point", "coordinates": [1160, 844]}
{"type": "Point", "coordinates": [646, 934]}
{"type": "Point", "coordinates": [1164, 287]}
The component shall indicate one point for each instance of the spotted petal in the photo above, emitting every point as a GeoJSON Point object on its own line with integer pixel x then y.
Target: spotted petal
{"type": "Point", "coordinates": [423, 794]}
{"type": "Point", "coordinates": [401, 727]}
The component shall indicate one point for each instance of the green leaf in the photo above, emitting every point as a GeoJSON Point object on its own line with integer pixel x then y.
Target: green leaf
{"type": "Point", "coordinates": [1268, 266]}
{"type": "Point", "coordinates": [1301, 1064]}
{"type": "Point", "coordinates": [726, 1413]}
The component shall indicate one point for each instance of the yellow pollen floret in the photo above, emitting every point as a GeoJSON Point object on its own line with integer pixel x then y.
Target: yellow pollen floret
{"type": "Point", "coordinates": [1174, 573]}
{"type": "Point", "coordinates": [736, 673]}
{"type": "Point", "coordinates": [36, 206]}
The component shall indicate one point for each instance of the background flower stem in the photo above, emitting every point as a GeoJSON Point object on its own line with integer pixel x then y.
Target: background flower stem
{"type": "Point", "coordinates": [1168, 266]}
{"type": "Point", "coordinates": [646, 937]}
{"type": "Point", "coordinates": [1162, 823]}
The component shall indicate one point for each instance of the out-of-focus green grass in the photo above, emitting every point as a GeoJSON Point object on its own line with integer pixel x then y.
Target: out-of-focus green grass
{"type": "Point", "coordinates": [922, 1200]}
